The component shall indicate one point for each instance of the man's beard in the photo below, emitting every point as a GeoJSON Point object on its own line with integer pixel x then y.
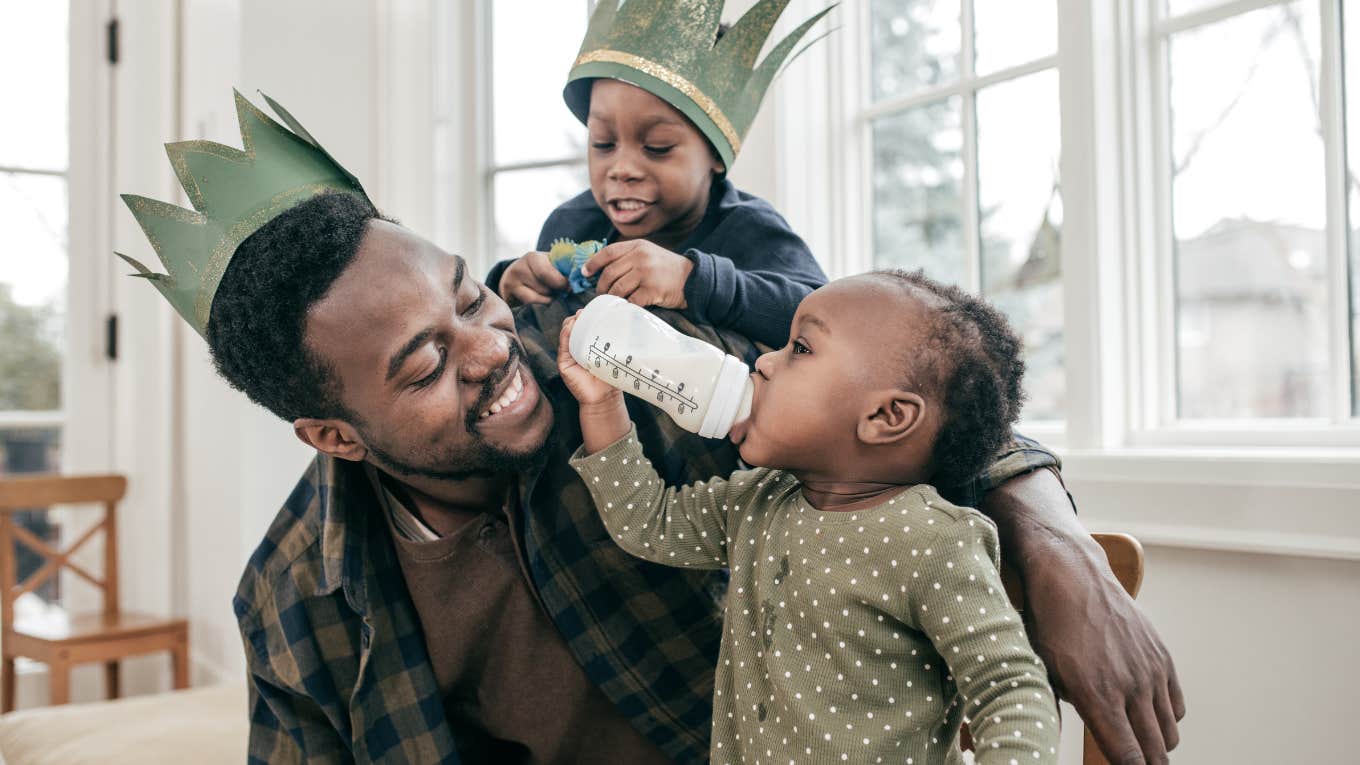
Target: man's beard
{"type": "Point", "coordinates": [479, 459]}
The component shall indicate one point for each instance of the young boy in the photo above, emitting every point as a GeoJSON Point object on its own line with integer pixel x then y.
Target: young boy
{"type": "Point", "coordinates": [680, 234]}
{"type": "Point", "coordinates": [865, 617]}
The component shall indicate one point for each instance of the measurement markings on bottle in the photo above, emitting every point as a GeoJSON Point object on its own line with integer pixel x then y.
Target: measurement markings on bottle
{"type": "Point", "coordinates": [599, 355]}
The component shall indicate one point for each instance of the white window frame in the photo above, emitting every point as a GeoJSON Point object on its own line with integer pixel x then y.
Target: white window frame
{"type": "Point", "coordinates": [850, 64]}
{"type": "Point", "coordinates": [1153, 410]}
{"type": "Point", "coordinates": [966, 86]}
{"type": "Point", "coordinates": [83, 419]}
{"type": "Point", "coordinates": [1118, 302]}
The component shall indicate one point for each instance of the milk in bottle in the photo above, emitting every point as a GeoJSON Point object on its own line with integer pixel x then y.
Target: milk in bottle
{"type": "Point", "coordinates": [705, 390]}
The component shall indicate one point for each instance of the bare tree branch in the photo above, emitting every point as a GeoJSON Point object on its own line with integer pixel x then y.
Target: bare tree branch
{"type": "Point", "coordinates": [1197, 142]}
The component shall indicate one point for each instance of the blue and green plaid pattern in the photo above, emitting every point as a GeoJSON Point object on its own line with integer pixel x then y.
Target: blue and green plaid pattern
{"type": "Point", "coordinates": [338, 668]}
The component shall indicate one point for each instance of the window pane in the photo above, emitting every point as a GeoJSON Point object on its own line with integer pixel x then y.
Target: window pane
{"type": "Point", "coordinates": [1009, 33]}
{"type": "Point", "coordinates": [32, 450]}
{"type": "Point", "coordinates": [918, 197]}
{"type": "Point", "coordinates": [1249, 217]}
{"type": "Point", "coordinates": [32, 290]}
{"type": "Point", "coordinates": [1021, 226]}
{"type": "Point", "coordinates": [523, 200]}
{"type": "Point", "coordinates": [529, 67]}
{"type": "Point", "coordinates": [33, 57]}
{"type": "Point", "coordinates": [1351, 46]}
{"type": "Point", "coordinates": [914, 45]}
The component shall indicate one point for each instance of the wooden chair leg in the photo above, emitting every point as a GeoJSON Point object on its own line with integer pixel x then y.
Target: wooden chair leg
{"type": "Point", "coordinates": [8, 678]}
{"type": "Point", "coordinates": [111, 684]}
{"type": "Point", "coordinates": [181, 659]}
{"type": "Point", "coordinates": [59, 682]}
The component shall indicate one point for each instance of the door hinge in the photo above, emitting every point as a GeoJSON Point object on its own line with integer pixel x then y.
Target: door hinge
{"type": "Point", "coordinates": [111, 337]}
{"type": "Point", "coordinates": [112, 47]}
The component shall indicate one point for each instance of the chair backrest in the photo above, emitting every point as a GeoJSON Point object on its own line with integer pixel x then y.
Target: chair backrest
{"type": "Point", "coordinates": [1125, 555]}
{"type": "Point", "coordinates": [38, 493]}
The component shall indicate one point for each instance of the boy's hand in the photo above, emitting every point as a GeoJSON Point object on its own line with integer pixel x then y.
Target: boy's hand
{"type": "Point", "coordinates": [642, 273]}
{"type": "Point", "coordinates": [531, 279]}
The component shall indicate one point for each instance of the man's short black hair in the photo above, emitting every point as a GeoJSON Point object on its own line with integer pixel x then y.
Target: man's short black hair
{"type": "Point", "coordinates": [258, 318]}
{"type": "Point", "coordinates": [972, 362]}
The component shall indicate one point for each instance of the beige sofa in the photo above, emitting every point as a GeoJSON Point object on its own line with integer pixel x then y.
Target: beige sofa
{"type": "Point", "coordinates": [203, 726]}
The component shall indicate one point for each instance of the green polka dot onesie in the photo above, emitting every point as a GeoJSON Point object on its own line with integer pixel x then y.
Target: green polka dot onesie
{"type": "Point", "coordinates": [860, 637]}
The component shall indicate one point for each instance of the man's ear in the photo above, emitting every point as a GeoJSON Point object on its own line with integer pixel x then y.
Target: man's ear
{"type": "Point", "coordinates": [334, 437]}
{"type": "Point", "coordinates": [892, 416]}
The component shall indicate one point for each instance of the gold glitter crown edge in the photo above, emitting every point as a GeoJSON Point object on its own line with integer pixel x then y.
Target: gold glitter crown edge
{"type": "Point", "coordinates": [670, 49]}
{"type": "Point", "coordinates": [234, 193]}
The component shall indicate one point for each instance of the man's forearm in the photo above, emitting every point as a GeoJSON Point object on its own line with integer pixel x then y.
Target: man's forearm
{"type": "Point", "coordinates": [1036, 524]}
{"type": "Point", "coordinates": [1101, 652]}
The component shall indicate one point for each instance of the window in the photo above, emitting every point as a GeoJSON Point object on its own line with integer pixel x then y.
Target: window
{"type": "Point", "coordinates": [963, 136]}
{"type": "Point", "coordinates": [1246, 154]}
{"type": "Point", "coordinates": [538, 147]}
{"type": "Point", "coordinates": [1226, 137]}
{"type": "Point", "coordinates": [33, 254]}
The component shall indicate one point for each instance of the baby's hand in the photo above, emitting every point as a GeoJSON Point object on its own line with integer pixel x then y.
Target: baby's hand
{"type": "Point", "coordinates": [531, 279]}
{"type": "Point", "coordinates": [588, 389]}
{"type": "Point", "coordinates": [642, 273]}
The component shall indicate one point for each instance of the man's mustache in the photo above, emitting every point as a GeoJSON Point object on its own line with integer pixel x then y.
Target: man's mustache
{"type": "Point", "coordinates": [493, 383]}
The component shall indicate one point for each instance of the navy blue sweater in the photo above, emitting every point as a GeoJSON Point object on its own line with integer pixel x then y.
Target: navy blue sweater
{"type": "Point", "coordinates": [750, 270]}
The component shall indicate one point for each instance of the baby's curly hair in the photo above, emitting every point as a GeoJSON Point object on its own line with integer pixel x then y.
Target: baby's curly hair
{"type": "Point", "coordinates": [258, 320]}
{"type": "Point", "coordinates": [973, 364]}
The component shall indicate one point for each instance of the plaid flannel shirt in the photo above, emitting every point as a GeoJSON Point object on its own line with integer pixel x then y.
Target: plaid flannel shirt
{"type": "Point", "coordinates": [338, 669]}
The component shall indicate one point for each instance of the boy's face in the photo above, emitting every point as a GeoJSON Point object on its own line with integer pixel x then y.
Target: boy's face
{"type": "Point", "coordinates": [839, 378]}
{"type": "Point", "coordinates": [650, 168]}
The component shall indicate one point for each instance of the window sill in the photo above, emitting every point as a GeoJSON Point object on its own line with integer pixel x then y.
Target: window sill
{"type": "Point", "coordinates": [1275, 466]}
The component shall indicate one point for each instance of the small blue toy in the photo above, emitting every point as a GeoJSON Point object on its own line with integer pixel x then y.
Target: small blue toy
{"type": "Point", "coordinates": [569, 257]}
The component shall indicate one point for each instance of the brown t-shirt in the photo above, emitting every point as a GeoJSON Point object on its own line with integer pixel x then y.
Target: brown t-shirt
{"type": "Point", "coordinates": [512, 691]}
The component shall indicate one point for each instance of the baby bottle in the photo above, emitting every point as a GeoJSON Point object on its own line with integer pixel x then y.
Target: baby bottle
{"type": "Point", "coordinates": [703, 389]}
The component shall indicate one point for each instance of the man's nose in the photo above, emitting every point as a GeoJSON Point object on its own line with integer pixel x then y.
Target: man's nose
{"type": "Point", "coordinates": [484, 352]}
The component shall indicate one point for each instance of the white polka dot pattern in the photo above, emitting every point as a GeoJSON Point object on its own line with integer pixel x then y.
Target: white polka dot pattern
{"type": "Point", "coordinates": [865, 636]}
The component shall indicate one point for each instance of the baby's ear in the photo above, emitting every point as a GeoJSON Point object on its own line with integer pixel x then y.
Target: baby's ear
{"type": "Point", "coordinates": [892, 416]}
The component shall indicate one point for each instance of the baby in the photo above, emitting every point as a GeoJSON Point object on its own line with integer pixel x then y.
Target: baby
{"type": "Point", "coordinates": [865, 618]}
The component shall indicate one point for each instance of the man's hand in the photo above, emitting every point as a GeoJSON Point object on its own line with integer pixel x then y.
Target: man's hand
{"type": "Point", "coordinates": [1102, 653]}
{"type": "Point", "coordinates": [642, 273]}
{"type": "Point", "coordinates": [531, 279]}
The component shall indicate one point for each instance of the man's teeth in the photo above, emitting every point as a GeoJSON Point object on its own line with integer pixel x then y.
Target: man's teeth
{"type": "Point", "coordinates": [510, 396]}
{"type": "Point", "coordinates": [629, 204]}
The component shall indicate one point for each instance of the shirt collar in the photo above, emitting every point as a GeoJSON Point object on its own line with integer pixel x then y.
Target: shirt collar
{"type": "Point", "coordinates": [346, 501]}
{"type": "Point", "coordinates": [404, 523]}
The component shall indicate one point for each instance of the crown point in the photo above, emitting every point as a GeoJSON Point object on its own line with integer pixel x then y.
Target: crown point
{"type": "Point", "coordinates": [142, 271]}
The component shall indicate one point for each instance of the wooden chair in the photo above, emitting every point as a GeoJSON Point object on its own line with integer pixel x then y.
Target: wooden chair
{"type": "Point", "coordinates": [103, 636]}
{"type": "Point", "coordinates": [1125, 555]}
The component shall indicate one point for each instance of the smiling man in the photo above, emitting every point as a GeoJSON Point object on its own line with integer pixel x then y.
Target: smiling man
{"type": "Point", "coordinates": [438, 587]}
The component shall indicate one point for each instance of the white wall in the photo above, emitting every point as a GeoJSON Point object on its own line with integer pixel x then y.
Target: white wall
{"type": "Point", "coordinates": [1253, 580]}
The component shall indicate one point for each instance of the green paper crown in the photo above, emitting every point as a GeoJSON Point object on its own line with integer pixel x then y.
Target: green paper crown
{"type": "Point", "coordinates": [667, 48]}
{"type": "Point", "coordinates": [234, 193]}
